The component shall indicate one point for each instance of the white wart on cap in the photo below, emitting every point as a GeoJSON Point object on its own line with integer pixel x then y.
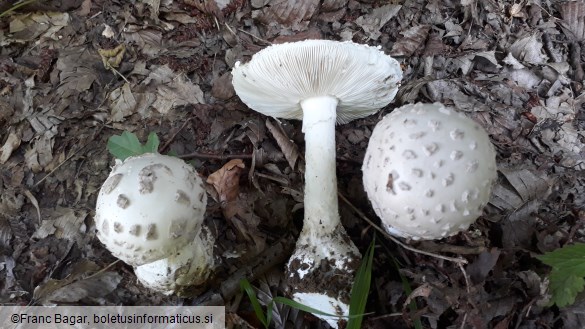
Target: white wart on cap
{"type": "Point", "coordinates": [149, 208]}
{"type": "Point", "coordinates": [428, 171]}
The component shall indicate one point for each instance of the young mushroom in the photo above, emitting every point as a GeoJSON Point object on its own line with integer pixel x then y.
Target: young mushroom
{"type": "Point", "coordinates": [323, 83]}
{"type": "Point", "coordinates": [428, 171]}
{"type": "Point", "coordinates": [183, 272]}
{"type": "Point", "coordinates": [150, 210]}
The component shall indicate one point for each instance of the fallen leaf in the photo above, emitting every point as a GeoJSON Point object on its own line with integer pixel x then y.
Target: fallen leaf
{"type": "Point", "coordinates": [85, 281]}
{"type": "Point", "coordinates": [111, 58]}
{"type": "Point", "coordinates": [11, 144]}
{"type": "Point", "coordinates": [77, 73]}
{"type": "Point", "coordinates": [226, 182]}
{"type": "Point", "coordinates": [123, 103]}
{"type": "Point", "coordinates": [209, 7]}
{"type": "Point", "coordinates": [481, 267]}
{"type": "Point", "coordinates": [287, 146]}
{"type": "Point", "coordinates": [34, 26]}
{"type": "Point", "coordinates": [529, 49]}
{"type": "Point", "coordinates": [222, 87]}
{"type": "Point", "coordinates": [376, 19]}
{"type": "Point", "coordinates": [573, 14]}
{"type": "Point", "coordinates": [66, 224]}
{"type": "Point", "coordinates": [295, 14]}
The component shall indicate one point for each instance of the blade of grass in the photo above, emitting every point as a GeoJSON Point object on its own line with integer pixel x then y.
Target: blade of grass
{"type": "Point", "coordinates": [302, 307]}
{"type": "Point", "coordinates": [247, 287]}
{"type": "Point", "coordinates": [361, 289]}
{"type": "Point", "coordinates": [16, 6]}
{"type": "Point", "coordinates": [408, 291]}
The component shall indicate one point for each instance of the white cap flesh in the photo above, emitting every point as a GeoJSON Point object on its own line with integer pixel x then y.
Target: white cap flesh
{"type": "Point", "coordinates": [149, 208]}
{"type": "Point", "coordinates": [428, 171]}
{"type": "Point", "coordinates": [278, 78]}
{"type": "Point", "coordinates": [190, 267]}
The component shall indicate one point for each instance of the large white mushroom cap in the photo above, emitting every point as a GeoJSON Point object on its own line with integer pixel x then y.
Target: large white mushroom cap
{"type": "Point", "coordinates": [428, 171]}
{"type": "Point", "coordinates": [149, 208]}
{"type": "Point", "coordinates": [362, 78]}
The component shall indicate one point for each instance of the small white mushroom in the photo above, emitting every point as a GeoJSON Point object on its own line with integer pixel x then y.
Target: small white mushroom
{"type": "Point", "coordinates": [428, 171]}
{"type": "Point", "coordinates": [151, 208]}
{"type": "Point", "coordinates": [321, 82]}
{"type": "Point", "coordinates": [190, 268]}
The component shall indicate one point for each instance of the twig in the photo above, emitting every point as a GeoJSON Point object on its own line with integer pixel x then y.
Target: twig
{"type": "Point", "coordinates": [215, 156]}
{"type": "Point", "coordinates": [467, 285]}
{"type": "Point", "coordinates": [170, 140]}
{"type": "Point", "coordinates": [395, 240]}
{"type": "Point", "coordinates": [120, 74]}
{"type": "Point", "coordinates": [255, 37]}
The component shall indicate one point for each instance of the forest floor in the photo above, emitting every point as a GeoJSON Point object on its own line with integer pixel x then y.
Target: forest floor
{"type": "Point", "coordinates": [73, 73]}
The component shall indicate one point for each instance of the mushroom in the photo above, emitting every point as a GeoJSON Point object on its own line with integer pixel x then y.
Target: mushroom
{"type": "Point", "coordinates": [321, 82]}
{"type": "Point", "coordinates": [189, 269]}
{"type": "Point", "coordinates": [428, 171]}
{"type": "Point", "coordinates": [151, 209]}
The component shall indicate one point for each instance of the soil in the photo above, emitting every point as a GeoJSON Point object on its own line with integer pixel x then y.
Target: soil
{"type": "Point", "coordinates": [74, 73]}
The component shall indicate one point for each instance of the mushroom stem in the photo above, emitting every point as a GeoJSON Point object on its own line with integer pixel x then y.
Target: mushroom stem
{"type": "Point", "coordinates": [322, 267]}
{"type": "Point", "coordinates": [321, 205]}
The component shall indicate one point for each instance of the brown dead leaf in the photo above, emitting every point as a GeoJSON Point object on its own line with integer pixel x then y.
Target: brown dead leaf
{"type": "Point", "coordinates": [290, 13]}
{"type": "Point", "coordinates": [11, 144]}
{"type": "Point", "coordinates": [76, 71]}
{"type": "Point", "coordinates": [85, 281]}
{"type": "Point", "coordinates": [481, 267]}
{"type": "Point", "coordinates": [423, 290]}
{"type": "Point", "coordinates": [376, 19]}
{"type": "Point", "coordinates": [412, 40]}
{"type": "Point", "coordinates": [311, 33]}
{"type": "Point", "coordinates": [41, 154]}
{"type": "Point", "coordinates": [32, 26]}
{"type": "Point", "coordinates": [573, 13]}
{"type": "Point", "coordinates": [111, 58]}
{"type": "Point", "coordinates": [288, 147]}
{"type": "Point", "coordinates": [529, 49]}
{"type": "Point", "coordinates": [333, 5]}
{"type": "Point", "coordinates": [123, 103]}
{"type": "Point", "coordinates": [66, 224]}
{"type": "Point", "coordinates": [226, 182]}
{"type": "Point", "coordinates": [181, 91]}
{"type": "Point", "coordinates": [222, 87]}
{"type": "Point", "coordinates": [209, 7]}
{"type": "Point", "coordinates": [148, 40]}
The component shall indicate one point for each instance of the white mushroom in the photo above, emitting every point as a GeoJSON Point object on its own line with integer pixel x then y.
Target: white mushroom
{"type": "Point", "coordinates": [151, 208]}
{"type": "Point", "coordinates": [180, 274]}
{"type": "Point", "coordinates": [321, 82]}
{"type": "Point", "coordinates": [428, 171]}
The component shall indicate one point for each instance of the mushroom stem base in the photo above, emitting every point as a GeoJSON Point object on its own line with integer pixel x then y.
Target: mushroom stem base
{"type": "Point", "coordinates": [321, 272]}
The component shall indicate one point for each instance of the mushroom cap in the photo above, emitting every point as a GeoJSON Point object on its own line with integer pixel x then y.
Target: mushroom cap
{"type": "Point", "coordinates": [150, 207]}
{"type": "Point", "coordinates": [428, 171]}
{"type": "Point", "coordinates": [190, 266]}
{"type": "Point", "coordinates": [362, 78]}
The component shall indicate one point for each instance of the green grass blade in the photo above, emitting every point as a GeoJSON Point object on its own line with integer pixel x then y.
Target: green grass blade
{"type": "Point", "coordinates": [361, 289]}
{"type": "Point", "coordinates": [16, 6]}
{"type": "Point", "coordinates": [408, 290]}
{"type": "Point", "coordinates": [302, 307]}
{"type": "Point", "coordinates": [247, 287]}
